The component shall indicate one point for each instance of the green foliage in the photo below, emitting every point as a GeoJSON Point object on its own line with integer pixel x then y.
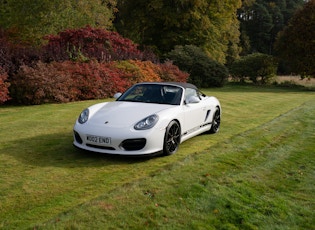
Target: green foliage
{"type": "Point", "coordinates": [259, 68]}
{"type": "Point", "coordinates": [261, 21]}
{"type": "Point", "coordinates": [295, 43]}
{"type": "Point", "coordinates": [163, 24]}
{"type": "Point", "coordinates": [30, 20]}
{"type": "Point", "coordinates": [204, 72]}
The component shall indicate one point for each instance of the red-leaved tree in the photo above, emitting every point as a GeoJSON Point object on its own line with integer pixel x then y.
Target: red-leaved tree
{"type": "Point", "coordinates": [92, 43]}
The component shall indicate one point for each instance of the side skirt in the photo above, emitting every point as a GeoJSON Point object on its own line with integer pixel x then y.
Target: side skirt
{"type": "Point", "coordinates": [196, 131]}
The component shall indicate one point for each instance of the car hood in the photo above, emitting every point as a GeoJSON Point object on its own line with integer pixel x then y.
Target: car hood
{"type": "Point", "coordinates": [121, 114]}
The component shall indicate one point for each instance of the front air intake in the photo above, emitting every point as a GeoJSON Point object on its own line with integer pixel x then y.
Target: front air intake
{"type": "Point", "coordinates": [77, 137]}
{"type": "Point", "coordinates": [133, 144]}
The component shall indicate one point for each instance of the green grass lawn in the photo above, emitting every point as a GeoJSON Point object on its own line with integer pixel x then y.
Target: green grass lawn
{"type": "Point", "coordinates": [256, 173]}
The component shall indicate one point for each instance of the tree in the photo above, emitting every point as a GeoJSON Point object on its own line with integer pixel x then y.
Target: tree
{"type": "Point", "coordinates": [204, 72]}
{"type": "Point", "coordinates": [295, 43]}
{"type": "Point", "coordinates": [163, 24]}
{"type": "Point", "coordinates": [87, 43]}
{"type": "Point", "coordinates": [261, 21]}
{"type": "Point", "coordinates": [30, 20]}
{"type": "Point", "coordinates": [257, 67]}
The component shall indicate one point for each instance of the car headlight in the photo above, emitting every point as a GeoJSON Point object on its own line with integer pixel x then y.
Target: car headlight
{"type": "Point", "coordinates": [84, 116]}
{"type": "Point", "coordinates": [147, 122]}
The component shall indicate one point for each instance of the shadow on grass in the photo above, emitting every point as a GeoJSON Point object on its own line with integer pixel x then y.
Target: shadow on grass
{"type": "Point", "coordinates": [57, 150]}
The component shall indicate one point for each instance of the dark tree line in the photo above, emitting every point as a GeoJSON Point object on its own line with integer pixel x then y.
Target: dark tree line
{"type": "Point", "coordinates": [262, 20]}
{"type": "Point", "coordinates": [295, 45]}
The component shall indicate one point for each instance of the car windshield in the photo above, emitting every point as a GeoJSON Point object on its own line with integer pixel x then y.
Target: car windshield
{"type": "Point", "coordinates": [153, 93]}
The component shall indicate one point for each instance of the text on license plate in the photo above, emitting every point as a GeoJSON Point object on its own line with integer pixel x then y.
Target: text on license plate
{"type": "Point", "coordinates": [97, 139]}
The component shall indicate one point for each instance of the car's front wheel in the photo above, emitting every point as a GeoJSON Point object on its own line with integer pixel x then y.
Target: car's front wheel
{"type": "Point", "coordinates": [172, 138]}
{"type": "Point", "coordinates": [216, 121]}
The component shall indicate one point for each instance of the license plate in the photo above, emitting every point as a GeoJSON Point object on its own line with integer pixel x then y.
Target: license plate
{"type": "Point", "coordinates": [99, 140]}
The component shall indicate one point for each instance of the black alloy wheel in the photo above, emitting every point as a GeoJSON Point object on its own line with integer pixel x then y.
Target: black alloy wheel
{"type": "Point", "coordinates": [172, 138]}
{"type": "Point", "coordinates": [216, 121]}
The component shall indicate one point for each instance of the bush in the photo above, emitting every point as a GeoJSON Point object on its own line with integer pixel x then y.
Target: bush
{"type": "Point", "coordinates": [77, 65]}
{"type": "Point", "coordinates": [92, 43]}
{"type": "Point", "coordinates": [4, 86]}
{"type": "Point", "coordinates": [12, 56]}
{"type": "Point", "coordinates": [137, 71]}
{"type": "Point", "coordinates": [259, 68]}
{"type": "Point", "coordinates": [96, 80]}
{"type": "Point", "coordinates": [204, 72]}
{"type": "Point", "coordinates": [65, 81]}
{"type": "Point", "coordinates": [73, 81]}
{"type": "Point", "coordinates": [169, 72]}
{"type": "Point", "coordinates": [39, 84]}
{"type": "Point", "coordinates": [142, 71]}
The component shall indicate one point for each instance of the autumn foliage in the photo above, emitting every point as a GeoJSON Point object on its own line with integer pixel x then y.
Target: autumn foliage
{"type": "Point", "coordinates": [72, 81]}
{"type": "Point", "coordinates": [65, 81]}
{"type": "Point", "coordinates": [80, 64]}
{"type": "Point", "coordinates": [170, 72]}
{"type": "Point", "coordinates": [4, 64]}
{"type": "Point", "coordinates": [4, 85]}
{"type": "Point", "coordinates": [93, 43]}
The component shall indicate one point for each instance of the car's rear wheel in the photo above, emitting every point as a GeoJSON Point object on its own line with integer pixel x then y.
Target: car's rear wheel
{"type": "Point", "coordinates": [216, 121]}
{"type": "Point", "coordinates": [172, 138]}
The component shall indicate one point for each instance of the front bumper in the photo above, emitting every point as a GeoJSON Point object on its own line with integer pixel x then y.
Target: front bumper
{"type": "Point", "coordinates": [122, 141]}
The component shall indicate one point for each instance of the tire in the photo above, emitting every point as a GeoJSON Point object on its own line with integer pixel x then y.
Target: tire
{"type": "Point", "coordinates": [216, 121]}
{"type": "Point", "coordinates": [171, 138]}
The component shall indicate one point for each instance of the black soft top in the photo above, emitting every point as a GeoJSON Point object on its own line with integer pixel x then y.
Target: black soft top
{"type": "Point", "coordinates": [181, 84]}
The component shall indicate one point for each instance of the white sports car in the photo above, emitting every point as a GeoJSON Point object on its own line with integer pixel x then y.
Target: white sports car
{"type": "Point", "coordinates": [148, 118]}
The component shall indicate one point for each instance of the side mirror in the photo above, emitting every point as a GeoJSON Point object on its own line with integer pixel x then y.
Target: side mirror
{"type": "Point", "coordinates": [117, 95]}
{"type": "Point", "coordinates": [192, 100]}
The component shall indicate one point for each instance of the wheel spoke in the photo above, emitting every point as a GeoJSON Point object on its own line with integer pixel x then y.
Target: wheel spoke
{"type": "Point", "coordinates": [172, 140]}
{"type": "Point", "coordinates": [216, 122]}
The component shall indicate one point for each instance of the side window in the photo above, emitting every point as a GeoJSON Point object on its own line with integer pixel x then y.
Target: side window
{"type": "Point", "coordinates": [172, 95]}
{"type": "Point", "coordinates": [190, 92]}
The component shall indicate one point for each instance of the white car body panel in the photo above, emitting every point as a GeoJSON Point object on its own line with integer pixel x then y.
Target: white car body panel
{"type": "Point", "coordinates": [115, 121]}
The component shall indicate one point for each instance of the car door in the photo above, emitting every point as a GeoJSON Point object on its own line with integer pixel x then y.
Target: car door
{"type": "Point", "coordinates": [194, 111]}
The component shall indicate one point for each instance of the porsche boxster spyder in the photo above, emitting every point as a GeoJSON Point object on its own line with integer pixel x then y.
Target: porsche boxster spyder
{"type": "Point", "coordinates": [148, 118]}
